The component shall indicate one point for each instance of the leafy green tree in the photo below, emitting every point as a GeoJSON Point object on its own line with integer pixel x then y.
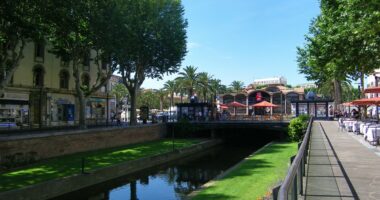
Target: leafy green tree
{"type": "Point", "coordinates": [120, 92]}
{"type": "Point", "coordinates": [152, 42]}
{"type": "Point", "coordinates": [180, 88]}
{"type": "Point", "coordinates": [342, 44]}
{"type": "Point", "coordinates": [237, 86]}
{"type": "Point", "coordinates": [189, 79]}
{"type": "Point", "coordinates": [74, 34]}
{"type": "Point", "coordinates": [20, 22]}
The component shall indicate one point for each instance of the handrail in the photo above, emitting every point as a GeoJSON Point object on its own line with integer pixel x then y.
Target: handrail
{"type": "Point", "coordinates": [296, 167]}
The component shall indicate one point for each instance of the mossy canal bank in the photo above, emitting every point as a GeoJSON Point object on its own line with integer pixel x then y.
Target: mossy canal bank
{"type": "Point", "coordinates": [171, 181]}
{"type": "Point", "coordinates": [252, 178]}
{"type": "Point", "coordinates": [61, 175]}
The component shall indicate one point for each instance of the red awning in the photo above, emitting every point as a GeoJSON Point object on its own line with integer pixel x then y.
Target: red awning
{"type": "Point", "coordinates": [372, 90]}
{"type": "Point", "coordinates": [370, 101]}
{"type": "Point", "coordinates": [236, 104]}
{"type": "Point", "coordinates": [221, 106]}
{"type": "Point", "coordinates": [265, 104]}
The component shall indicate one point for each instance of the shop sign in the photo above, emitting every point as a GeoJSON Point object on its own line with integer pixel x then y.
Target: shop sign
{"type": "Point", "coordinates": [16, 96]}
{"type": "Point", "coordinates": [62, 101]}
{"type": "Point", "coordinates": [258, 96]}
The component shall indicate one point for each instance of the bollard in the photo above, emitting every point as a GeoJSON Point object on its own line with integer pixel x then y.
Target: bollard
{"type": "Point", "coordinates": [82, 165]}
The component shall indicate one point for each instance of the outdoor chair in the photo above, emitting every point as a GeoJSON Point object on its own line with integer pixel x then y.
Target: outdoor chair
{"type": "Point", "coordinates": [373, 134]}
{"type": "Point", "coordinates": [341, 124]}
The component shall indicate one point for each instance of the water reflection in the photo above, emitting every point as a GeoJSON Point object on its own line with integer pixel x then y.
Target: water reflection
{"type": "Point", "coordinates": [172, 181]}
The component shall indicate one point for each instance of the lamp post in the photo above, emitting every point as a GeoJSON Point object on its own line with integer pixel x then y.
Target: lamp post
{"type": "Point", "coordinates": [107, 106]}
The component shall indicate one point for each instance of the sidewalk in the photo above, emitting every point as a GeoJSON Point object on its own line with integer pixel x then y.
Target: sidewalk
{"type": "Point", "coordinates": [340, 167]}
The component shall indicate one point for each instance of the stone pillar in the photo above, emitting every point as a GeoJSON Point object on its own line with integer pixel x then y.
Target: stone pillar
{"type": "Point", "coordinates": [271, 101]}
{"type": "Point", "coordinates": [247, 108]}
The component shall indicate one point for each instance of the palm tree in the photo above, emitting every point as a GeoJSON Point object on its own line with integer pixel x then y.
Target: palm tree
{"type": "Point", "coordinates": [161, 95]}
{"type": "Point", "coordinates": [180, 88]}
{"type": "Point", "coordinates": [215, 87]}
{"type": "Point", "coordinates": [171, 87]}
{"type": "Point", "coordinates": [189, 79]}
{"type": "Point", "coordinates": [204, 84]}
{"type": "Point", "coordinates": [237, 86]}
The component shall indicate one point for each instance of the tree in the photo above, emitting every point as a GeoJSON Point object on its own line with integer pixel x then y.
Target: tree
{"type": "Point", "coordinates": [152, 42]}
{"type": "Point", "coordinates": [189, 79]}
{"type": "Point", "coordinates": [342, 44]}
{"type": "Point", "coordinates": [20, 23]}
{"type": "Point", "coordinates": [120, 92]}
{"type": "Point", "coordinates": [237, 86]}
{"type": "Point", "coordinates": [77, 29]}
{"type": "Point", "coordinates": [180, 88]}
{"type": "Point", "coordinates": [215, 87]}
{"type": "Point", "coordinates": [171, 87]}
{"type": "Point", "coordinates": [204, 84]}
{"type": "Point", "coordinates": [162, 95]}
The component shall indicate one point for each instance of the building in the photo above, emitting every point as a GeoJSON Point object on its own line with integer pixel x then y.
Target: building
{"type": "Point", "coordinates": [373, 80]}
{"type": "Point", "coordinates": [279, 95]}
{"type": "Point", "coordinates": [42, 91]}
{"type": "Point", "coordinates": [270, 81]}
{"type": "Point", "coordinates": [307, 85]}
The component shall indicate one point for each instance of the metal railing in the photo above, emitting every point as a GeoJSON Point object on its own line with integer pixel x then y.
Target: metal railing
{"type": "Point", "coordinates": [293, 183]}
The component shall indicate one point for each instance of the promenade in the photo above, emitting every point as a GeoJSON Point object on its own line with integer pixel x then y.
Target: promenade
{"type": "Point", "coordinates": [340, 165]}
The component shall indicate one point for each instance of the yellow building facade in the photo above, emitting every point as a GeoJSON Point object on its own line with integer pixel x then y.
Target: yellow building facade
{"type": "Point", "coordinates": [42, 92]}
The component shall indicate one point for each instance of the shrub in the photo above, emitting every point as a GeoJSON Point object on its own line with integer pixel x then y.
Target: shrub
{"type": "Point", "coordinates": [297, 127]}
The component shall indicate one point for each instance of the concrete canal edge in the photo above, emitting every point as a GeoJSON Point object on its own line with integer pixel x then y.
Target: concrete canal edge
{"type": "Point", "coordinates": [224, 174]}
{"type": "Point", "coordinates": [57, 187]}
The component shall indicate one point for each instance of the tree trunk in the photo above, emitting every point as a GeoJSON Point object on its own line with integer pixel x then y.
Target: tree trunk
{"type": "Point", "coordinates": [133, 117]}
{"type": "Point", "coordinates": [362, 83]}
{"type": "Point", "coordinates": [80, 96]}
{"type": "Point", "coordinates": [337, 92]}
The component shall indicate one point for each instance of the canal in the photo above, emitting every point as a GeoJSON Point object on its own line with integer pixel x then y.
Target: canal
{"type": "Point", "coordinates": [172, 181]}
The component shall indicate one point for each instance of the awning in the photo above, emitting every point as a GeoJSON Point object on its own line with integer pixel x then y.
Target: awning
{"type": "Point", "coordinates": [372, 90]}
{"type": "Point", "coordinates": [370, 101]}
{"type": "Point", "coordinates": [265, 104]}
{"type": "Point", "coordinates": [236, 104]}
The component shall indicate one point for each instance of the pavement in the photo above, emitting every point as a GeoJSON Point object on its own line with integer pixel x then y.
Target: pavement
{"type": "Point", "coordinates": [341, 165]}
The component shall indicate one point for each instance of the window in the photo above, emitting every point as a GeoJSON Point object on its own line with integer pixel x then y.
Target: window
{"type": "Point", "coordinates": [39, 52]}
{"type": "Point", "coordinates": [38, 76]}
{"type": "Point", "coordinates": [86, 80]}
{"type": "Point", "coordinates": [64, 79]}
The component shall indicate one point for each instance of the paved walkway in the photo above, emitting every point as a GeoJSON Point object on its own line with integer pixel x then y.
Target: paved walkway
{"type": "Point", "coordinates": [340, 167]}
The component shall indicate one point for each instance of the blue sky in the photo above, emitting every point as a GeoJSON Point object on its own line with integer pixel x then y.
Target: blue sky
{"type": "Point", "coordinates": [245, 39]}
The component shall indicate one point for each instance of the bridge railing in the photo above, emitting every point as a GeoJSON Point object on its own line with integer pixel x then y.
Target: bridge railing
{"type": "Point", "coordinates": [293, 185]}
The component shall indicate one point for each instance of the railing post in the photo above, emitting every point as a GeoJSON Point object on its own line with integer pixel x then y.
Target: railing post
{"type": "Point", "coordinates": [300, 175]}
{"type": "Point", "coordinates": [275, 192]}
{"type": "Point", "coordinates": [294, 192]}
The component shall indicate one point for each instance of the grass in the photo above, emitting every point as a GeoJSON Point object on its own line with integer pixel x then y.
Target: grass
{"type": "Point", "coordinates": [255, 177]}
{"type": "Point", "coordinates": [69, 165]}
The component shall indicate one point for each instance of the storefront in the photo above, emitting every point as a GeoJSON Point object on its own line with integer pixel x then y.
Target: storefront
{"type": "Point", "coordinates": [320, 109]}
{"type": "Point", "coordinates": [96, 110]}
{"type": "Point", "coordinates": [62, 109]}
{"type": "Point", "coordinates": [14, 110]}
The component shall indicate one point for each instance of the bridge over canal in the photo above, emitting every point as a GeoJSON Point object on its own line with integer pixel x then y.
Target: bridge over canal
{"type": "Point", "coordinates": [231, 129]}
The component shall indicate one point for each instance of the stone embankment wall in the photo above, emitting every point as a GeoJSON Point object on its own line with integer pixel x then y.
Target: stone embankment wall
{"type": "Point", "coordinates": [54, 188]}
{"type": "Point", "coordinates": [16, 151]}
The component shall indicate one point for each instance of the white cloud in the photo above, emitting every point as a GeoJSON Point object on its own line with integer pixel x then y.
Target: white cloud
{"type": "Point", "coordinates": [192, 45]}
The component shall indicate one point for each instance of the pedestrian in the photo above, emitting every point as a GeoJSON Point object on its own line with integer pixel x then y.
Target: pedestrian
{"type": "Point", "coordinates": [118, 118]}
